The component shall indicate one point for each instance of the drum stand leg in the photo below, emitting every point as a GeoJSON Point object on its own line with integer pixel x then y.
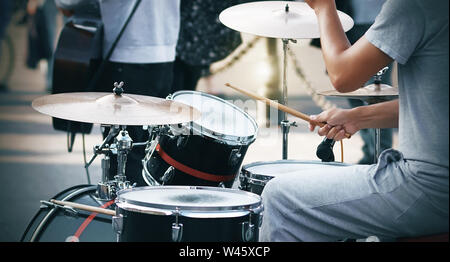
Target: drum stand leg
{"type": "Point", "coordinates": [377, 144]}
{"type": "Point", "coordinates": [285, 124]}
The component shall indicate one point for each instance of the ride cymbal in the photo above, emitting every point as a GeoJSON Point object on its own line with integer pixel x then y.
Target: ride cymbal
{"type": "Point", "coordinates": [370, 92]}
{"type": "Point", "coordinates": [277, 19]}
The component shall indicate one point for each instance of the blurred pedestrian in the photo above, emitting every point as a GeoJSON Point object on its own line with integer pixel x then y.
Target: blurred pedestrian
{"type": "Point", "coordinates": [203, 40]}
{"type": "Point", "coordinates": [143, 58]}
{"type": "Point", "coordinates": [6, 9]}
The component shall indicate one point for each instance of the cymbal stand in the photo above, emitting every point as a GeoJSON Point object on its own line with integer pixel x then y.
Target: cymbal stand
{"type": "Point", "coordinates": [285, 124]}
{"type": "Point", "coordinates": [122, 145]}
{"type": "Point", "coordinates": [377, 82]}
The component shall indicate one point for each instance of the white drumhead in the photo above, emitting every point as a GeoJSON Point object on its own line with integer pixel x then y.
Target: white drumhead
{"type": "Point", "coordinates": [183, 198]}
{"type": "Point", "coordinates": [218, 115]}
{"type": "Point", "coordinates": [275, 168]}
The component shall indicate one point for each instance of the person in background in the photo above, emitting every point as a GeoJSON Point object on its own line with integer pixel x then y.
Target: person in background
{"type": "Point", "coordinates": [49, 13]}
{"type": "Point", "coordinates": [143, 58]}
{"type": "Point", "coordinates": [203, 40]}
{"type": "Point", "coordinates": [6, 9]}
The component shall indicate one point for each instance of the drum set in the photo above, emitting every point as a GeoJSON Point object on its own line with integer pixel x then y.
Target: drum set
{"type": "Point", "coordinates": [194, 153]}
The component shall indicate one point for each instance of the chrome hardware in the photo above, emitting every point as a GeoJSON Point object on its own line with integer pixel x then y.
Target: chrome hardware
{"type": "Point", "coordinates": [234, 156]}
{"type": "Point", "coordinates": [106, 163]}
{"type": "Point", "coordinates": [149, 150]}
{"type": "Point", "coordinates": [285, 127]}
{"type": "Point", "coordinates": [117, 225]}
{"type": "Point", "coordinates": [379, 75]}
{"type": "Point", "coordinates": [177, 229]}
{"type": "Point", "coordinates": [247, 231]}
{"type": "Point", "coordinates": [118, 90]}
{"type": "Point", "coordinates": [182, 142]}
{"type": "Point", "coordinates": [369, 239]}
{"type": "Point", "coordinates": [68, 211]}
{"type": "Point", "coordinates": [168, 175]}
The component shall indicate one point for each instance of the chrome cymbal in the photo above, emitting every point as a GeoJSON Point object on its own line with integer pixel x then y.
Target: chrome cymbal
{"type": "Point", "coordinates": [277, 19]}
{"type": "Point", "coordinates": [368, 93]}
{"type": "Point", "coordinates": [113, 109]}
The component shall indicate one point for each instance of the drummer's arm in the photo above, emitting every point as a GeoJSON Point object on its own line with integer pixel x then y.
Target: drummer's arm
{"type": "Point", "coordinates": [379, 115]}
{"type": "Point", "coordinates": [349, 67]}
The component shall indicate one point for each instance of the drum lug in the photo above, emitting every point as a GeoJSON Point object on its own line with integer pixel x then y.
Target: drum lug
{"type": "Point", "coordinates": [117, 223]}
{"type": "Point", "coordinates": [177, 229]}
{"type": "Point", "coordinates": [182, 142]}
{"type": "Point", "coordinates": [177, 232]}
{"type": "Point", "coordinates": [247, 231]}
{"type": "Point", "coordinates": [234, 156]}
{"type": "Point", "coordinates": [168, 175]}
{"type": "Point", "coordinates": [260, 220]}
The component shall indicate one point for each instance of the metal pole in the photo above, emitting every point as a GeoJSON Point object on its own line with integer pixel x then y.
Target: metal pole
{"type": "Point", "coordinates": [285, 123]}
{"type": "Point", "coordinates": [377, 144]}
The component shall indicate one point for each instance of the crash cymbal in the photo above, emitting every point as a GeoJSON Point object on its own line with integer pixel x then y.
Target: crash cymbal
{"type": "Point", "coordinates": [113, 109]}
{"type": "Point", "coordinates": [372, 92]}
{"type": "Point", "coordinates": [277, 19]}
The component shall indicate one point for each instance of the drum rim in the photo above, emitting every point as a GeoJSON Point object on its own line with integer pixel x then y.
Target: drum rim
{"type": "Point", "coordinates": [122, 202]}
{"type": "Point", "coordinates": [73, 192]}
{"type": "Point", "coordinates": [261, 179]}
{"type": "Point", "coordinates": [217, 135]}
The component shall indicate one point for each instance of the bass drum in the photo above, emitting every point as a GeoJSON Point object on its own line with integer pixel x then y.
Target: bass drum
{"type": "Point", "coordinates": [254, 177]}
{"type": "Point", "coordinates": [57, 224]}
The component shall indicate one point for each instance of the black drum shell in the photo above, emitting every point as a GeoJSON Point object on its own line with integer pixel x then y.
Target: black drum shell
{"type": "Point", "coordinates": [201, 153]}
{"type": "Point", "coordinates": [59, 226]}
{"type": "Point", "coordinates": [141, 227]}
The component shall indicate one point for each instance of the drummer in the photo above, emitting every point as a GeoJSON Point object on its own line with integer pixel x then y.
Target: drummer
{"type": "Point", "coordinates": [407, 193]}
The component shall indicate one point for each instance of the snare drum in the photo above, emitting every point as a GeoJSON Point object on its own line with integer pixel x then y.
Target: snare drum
{"type": "Point", "coordinates": [56, 224]}
{"type": "Point", "coordinates": [206, 152]}
{"type": "Point", "coordinates": [254, 176]}
{"type": "Point", "coordinates": [181, 213]}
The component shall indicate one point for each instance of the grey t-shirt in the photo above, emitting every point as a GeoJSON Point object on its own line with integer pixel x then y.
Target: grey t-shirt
{"type": "Point", "coordinates": [415, 34]}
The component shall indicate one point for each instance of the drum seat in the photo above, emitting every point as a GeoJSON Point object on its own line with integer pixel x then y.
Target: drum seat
{"type": "Point", "coordinates": [430, 238]}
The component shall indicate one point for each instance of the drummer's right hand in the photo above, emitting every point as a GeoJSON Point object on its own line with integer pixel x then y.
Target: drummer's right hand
{"type": "Point", "coordinates": [338, 123]}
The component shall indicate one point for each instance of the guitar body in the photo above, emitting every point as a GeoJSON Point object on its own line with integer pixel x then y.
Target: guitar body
{"type": "Point", "coordinates": [76, 59]}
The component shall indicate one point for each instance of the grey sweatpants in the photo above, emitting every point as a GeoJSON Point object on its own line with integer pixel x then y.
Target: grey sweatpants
{"type": "Point", "coordinates": [394, 198]}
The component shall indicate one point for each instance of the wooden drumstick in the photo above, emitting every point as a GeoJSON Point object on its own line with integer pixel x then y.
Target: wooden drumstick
{"type": "Point", "coordinates": [99, 210]}
{"type": "Point", "coordinates": [281, 107]}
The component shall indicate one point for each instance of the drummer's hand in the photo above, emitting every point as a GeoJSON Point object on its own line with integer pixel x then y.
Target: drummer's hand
{"type": "Point", "coordinates": [338, 123]}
